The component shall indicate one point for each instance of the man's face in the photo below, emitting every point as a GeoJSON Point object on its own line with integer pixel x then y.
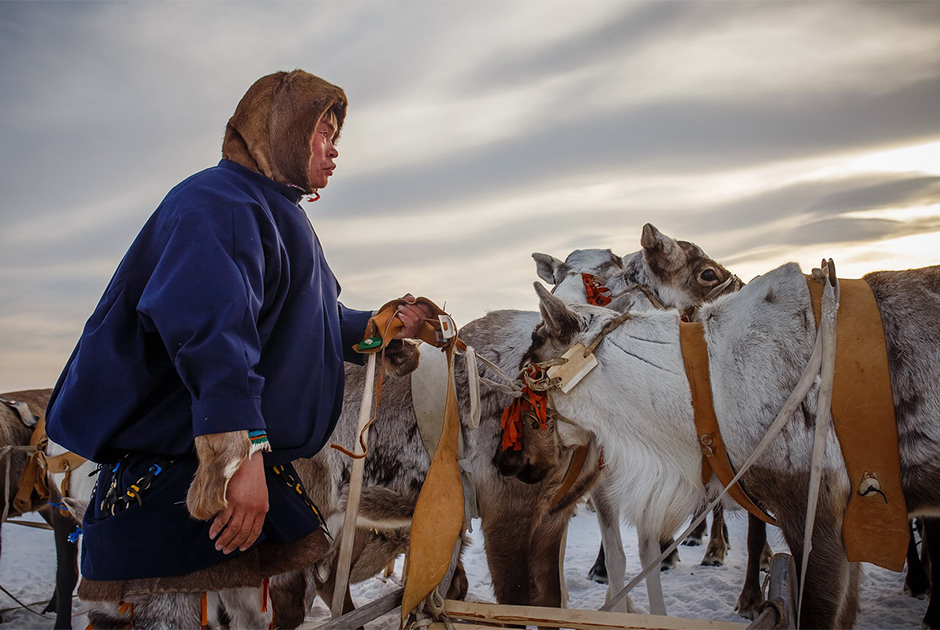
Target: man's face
{"type": "Point", "coordinates": [322, 154]}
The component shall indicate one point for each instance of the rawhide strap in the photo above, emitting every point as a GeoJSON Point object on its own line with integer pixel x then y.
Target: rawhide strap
{"type": "Point", "coordinates": [437, 330]}
{"type": "Point", "coordinates": [875, 526]}
{"type": "Point", "coordinates": [714, 456]}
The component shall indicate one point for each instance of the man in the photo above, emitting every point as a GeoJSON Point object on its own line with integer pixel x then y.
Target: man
{"type": "Point", "coordinates": [214, 358]}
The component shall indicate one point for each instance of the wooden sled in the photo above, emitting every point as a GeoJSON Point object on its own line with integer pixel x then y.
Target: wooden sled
{"type": "Point", "coordinates": [778, 612]}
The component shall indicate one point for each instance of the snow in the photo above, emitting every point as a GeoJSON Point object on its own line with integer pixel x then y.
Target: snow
{"type": "Point", "coordinates": [27, 570]}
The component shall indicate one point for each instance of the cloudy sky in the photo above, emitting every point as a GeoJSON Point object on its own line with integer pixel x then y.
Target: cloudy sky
{"type": "Point", "coordinates": [478, 133]}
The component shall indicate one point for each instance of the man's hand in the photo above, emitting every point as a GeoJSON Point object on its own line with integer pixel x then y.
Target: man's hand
{"type": "Point", "coordinates": [247, 496]}
{"type": "Point", "coordinates": [412, 316]}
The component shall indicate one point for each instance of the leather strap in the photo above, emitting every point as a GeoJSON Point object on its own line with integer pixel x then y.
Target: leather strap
{"type": "Point", "coordinates": [875, 526]}
{"type": "Point", "coordinates": [34, 485]}
{"type": "Point", "coordinates": [714, 456]}
{"type": "Point", "coordinates": [33, 478]}
{"type": "Point", "coordinates": [439, 513]}
{"type": "Point", "coordinates": [574, 471]}
{"type": "Point", "coordinates": [385, 324]}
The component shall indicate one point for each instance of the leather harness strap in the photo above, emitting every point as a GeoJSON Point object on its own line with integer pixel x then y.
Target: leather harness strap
{"type": "Point", "coordinates": [574, 471]}
{"type": "Point", "coordinates": [33, 481]}
{"type": "Point", "coordinates": [875, 525]}
{"type": "Point", "coordinates": [714, 456]}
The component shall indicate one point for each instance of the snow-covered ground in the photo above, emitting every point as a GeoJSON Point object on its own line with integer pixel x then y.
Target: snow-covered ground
{"type": "Point", "coordinates": [27, 569]}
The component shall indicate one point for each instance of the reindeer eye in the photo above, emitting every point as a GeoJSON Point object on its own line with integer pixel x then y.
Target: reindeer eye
{"type": "Point", "coordinates": [709, 275]}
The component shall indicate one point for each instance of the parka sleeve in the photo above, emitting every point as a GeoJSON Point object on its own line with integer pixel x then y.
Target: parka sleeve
{"type": "Point", "coordinates": [352, 325]}
{"type": "Point", "coordinates": [203, 299]}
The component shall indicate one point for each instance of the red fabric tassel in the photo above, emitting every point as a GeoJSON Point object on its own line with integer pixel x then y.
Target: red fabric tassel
{"type": "Point", "coordinates": [511, 420]}
{"type": "Point", "coordinates": [597, 294]}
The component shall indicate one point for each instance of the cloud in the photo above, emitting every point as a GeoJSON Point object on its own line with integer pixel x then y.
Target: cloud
{"type": "Point", "coordinates": [478, 133]}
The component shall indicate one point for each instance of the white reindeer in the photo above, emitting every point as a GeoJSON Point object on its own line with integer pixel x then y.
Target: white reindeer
{"type": "Point", "coordinates": [637, 403]}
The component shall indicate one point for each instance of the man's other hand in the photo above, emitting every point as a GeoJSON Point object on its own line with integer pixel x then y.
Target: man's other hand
{"type": "Point", "coordinates": [247, 496]}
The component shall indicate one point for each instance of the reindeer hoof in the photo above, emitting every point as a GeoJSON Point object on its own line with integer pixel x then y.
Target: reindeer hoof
{"type": "Point", "coordinates": [917, 592]}
{"type": "Point", "coordinates": [712, 561]}
{"type": "Point", "coordinates": [692, 541]}
{"type": "Point", "coordinates": [748, 612]}
{"type": "Point", "coordinates": [598, 575]}
{"type": "Point", "coordinates": [671, 561]}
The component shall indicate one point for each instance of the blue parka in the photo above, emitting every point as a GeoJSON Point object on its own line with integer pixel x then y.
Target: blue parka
{"type": "Point", "coordinates": [222, 316]}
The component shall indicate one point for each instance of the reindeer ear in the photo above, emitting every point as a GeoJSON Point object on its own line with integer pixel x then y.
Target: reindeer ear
{"type": "Point", "coordinates": [546, 266]}
{"type": "Point", "coordinates": [561, 323]}
{"type": "Point", "coordinates": [660, 251]}
{"type": "Point", "coordinates": [651, 239]}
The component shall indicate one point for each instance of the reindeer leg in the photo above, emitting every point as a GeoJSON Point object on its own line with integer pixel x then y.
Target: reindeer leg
{"type": "Point", "coordinates": [718, 541]}
{"type": "Point", "coordinates": [750, 598]}
{"type": "Point", "coordinates": [672, 560]}
{"type": "Point", "coordinates": [695, 537]}
{"type": "Point", "coordinates": [598, 572]}
{"type": "Point", "coordinates": [545, 553]}
{"type": "Point", "coordinates": [608, 517]}
{"type": "Point", "coordinates": [916, 582]}
{"type": "Point", "coordinates": [649, 551]}
{"type": "Point", "coordinates": [66, 573]}
{"type": "Point", "coordinates": [931, 540]}
{"type": "Point", "coordinates": [243, 607]}
{"type": "Point", "coordinates": [827, 602]}
{"type": "Point", "coordinates": [506, 539]}
{"type": "Point", "coordinates": [288, 598]}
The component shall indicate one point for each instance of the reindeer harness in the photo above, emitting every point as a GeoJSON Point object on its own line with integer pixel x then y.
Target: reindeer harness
{"type": "Point", "coordinates": [33, 481]}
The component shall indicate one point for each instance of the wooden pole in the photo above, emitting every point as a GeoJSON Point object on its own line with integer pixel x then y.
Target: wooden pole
{"type": "Point", "coordinates": [355, 491]}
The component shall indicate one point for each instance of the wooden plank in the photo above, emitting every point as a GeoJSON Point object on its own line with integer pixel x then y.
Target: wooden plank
{"type": "Point", "coordinates": [364, 614]}
{"type": "Point", "coordinates": [480, 613]}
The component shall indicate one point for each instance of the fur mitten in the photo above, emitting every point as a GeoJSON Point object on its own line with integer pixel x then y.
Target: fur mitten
{"type": "Point", "coordinates": [220, 455]}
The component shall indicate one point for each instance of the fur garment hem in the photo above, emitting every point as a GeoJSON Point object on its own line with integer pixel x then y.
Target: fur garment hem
{"type": "Point", "coordinates": [247, 570]}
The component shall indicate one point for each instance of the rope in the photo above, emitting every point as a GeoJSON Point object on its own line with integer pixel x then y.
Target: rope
{"type": "Point", "coordinates": [22, 605]}
{"type": "Point", "coordinates": [29, 524]}
{"type": "Point", "coordinates": [827, 330]}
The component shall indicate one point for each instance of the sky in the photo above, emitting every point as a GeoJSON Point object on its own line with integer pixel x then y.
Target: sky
{"type": "Point", "coordinates": [478, 132]}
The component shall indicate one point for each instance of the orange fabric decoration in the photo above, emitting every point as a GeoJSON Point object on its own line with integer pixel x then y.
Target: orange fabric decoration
{"type": "Point", "coordinates": [597, 294]}
{"type": "Point", "coordinates": [532, 402]}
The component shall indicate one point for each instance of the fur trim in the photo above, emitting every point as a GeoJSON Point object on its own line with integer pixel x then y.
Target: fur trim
{"type": "Point", "coordinates": [220, 455]}
{"type": "Point", "coordinates": [272, 125]}
{"type": "Point", "coordinates": [249, 569]}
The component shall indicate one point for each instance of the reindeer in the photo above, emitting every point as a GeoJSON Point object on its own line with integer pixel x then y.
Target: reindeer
{"type": "Point", "coordinates": [684, 277]}
{"type": "Point", "coordinates": [526, 573]}
{"type": "Point", "coordinates": [637, 405]}
{"type": "Point", "coordinates": [15, 432]}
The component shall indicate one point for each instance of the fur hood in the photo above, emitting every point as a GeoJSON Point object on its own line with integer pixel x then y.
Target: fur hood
{"type": "Point", "coordinates": [271, 129]}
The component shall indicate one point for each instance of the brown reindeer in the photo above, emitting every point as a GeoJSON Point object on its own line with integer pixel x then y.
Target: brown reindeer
{"type": "Point", "coordinates": [14, 432]}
